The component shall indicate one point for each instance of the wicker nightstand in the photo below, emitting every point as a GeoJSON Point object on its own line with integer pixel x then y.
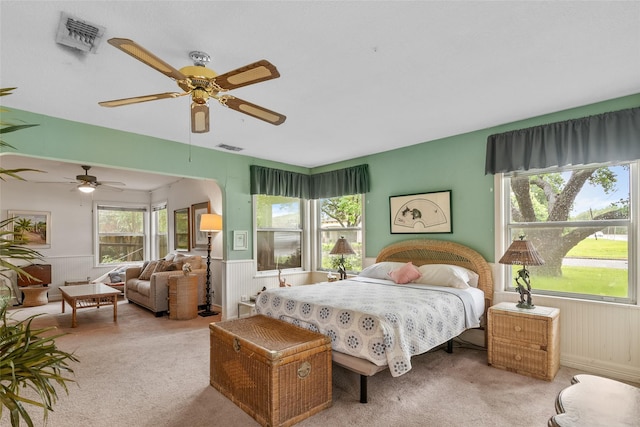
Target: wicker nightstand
{"type": "Point", "coordinates": [526, 341]}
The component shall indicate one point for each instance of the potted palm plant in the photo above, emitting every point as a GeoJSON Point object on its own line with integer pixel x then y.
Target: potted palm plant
{"type": "Point", "coordinates": [29, 357]}
{"type": "Point", "coordinates": [30, 361]}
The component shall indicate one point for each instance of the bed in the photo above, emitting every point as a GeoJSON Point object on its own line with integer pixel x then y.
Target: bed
{"type": "Point", "coordinates": [418, 295]}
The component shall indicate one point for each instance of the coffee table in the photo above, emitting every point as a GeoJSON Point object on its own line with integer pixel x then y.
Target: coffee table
{"type": "Point", "coordinates": [91, 295]}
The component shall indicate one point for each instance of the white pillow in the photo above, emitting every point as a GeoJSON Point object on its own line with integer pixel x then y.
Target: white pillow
{"type": "Point", "coordinates": [380, 270]}
{"type": "Point", "coordinates": [451, 276]}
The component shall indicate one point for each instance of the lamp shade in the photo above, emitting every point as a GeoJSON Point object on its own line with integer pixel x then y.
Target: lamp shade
{"type": "Point", "coordinates": [521, 252]}
{"type": "Point", "coordinates": [199, 118]}
{"type": "Point", "coordinates": [210, 223]}
{"type": "Point", "coordinates": [342, 247]}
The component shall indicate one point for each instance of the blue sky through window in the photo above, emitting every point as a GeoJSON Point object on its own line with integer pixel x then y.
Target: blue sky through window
{"type": "Point", "coordinates": [594, 197]}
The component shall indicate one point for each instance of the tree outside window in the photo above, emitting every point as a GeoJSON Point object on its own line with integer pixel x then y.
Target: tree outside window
{"type": "Point", "coordinates": [340, 216]}
{"type": "Point", "coordinates": [121, 234]}
{"type": "Point", "coordinates": [579, 221]}
{"type": "Point", "coordinates": [279, 232]}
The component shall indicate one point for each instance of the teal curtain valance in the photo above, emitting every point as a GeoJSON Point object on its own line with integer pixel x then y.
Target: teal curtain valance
{"type": "Point", "coordinates": [613, 136]}
{"type": "Point", "coordinates": [341, 182]}
{"type": "Point", "coordinates": [277, 182]}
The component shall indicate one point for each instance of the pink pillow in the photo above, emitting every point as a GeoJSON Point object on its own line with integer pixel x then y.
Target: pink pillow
{"type": "Point", "coordinates": [405, 274]}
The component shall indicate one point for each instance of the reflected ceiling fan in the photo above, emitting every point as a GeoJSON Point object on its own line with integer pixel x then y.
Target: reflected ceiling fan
{"type": "Point", "coordinates": [202, 84]}
{"type": "Point", "coordinates": [88, 183]}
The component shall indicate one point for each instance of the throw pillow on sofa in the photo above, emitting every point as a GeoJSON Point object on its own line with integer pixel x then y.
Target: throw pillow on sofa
{"type": "Point", "coordinates": [148, 271]}
{"type": "Point", "coordinates": [194, 260]}
{"type": "Point", "coordinates": [164, 265]}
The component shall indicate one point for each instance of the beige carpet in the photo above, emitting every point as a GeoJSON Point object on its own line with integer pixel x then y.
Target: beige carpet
{"type": "Point", "coordinates": [148, 371]}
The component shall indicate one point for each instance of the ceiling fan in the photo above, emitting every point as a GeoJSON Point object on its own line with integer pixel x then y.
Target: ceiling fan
{"type": "Point", "coordinates": [202, 84]}
{"type": "Point", "coordinates": [88, 183]}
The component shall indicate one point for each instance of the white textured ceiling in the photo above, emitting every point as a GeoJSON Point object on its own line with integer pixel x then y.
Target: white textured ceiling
{"type": "Point", "coordinates": [357, 77]}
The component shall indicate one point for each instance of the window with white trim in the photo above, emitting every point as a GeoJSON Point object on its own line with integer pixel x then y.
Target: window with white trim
{"type": "Point", "coordinates": [337, 217]}
{"type": "Point", "coordinates": [121, 233]}
{"type": "Point", "coordinates": [584, 223]}
{"type": "Point", "coordinates": [279, 232]}
{"type": "Point", "coordinates": [159, 231]}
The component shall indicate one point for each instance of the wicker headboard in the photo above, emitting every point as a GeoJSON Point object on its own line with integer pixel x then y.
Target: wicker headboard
{"type": "Point", "coordinates": [426, 251]}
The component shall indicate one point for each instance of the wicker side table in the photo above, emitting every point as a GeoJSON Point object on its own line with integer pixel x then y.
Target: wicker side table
{"type": "Point", "coordinates": [183, 297]}
{"type": "Point", "coordinates": [526, 341]}
{"type": "Point", "coordinates": [35, 295]}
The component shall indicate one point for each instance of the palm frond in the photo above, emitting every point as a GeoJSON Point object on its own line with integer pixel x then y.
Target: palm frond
{"type": "Point", "coordinates": [30, 360]}
{"type": "Point", "coordinates": [13, 173]}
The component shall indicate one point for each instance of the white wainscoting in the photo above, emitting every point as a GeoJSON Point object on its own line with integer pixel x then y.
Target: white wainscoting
{"type": "Point", "coordinates": [240, 279]}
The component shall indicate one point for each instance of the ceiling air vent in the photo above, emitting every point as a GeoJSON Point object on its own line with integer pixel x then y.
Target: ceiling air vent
{"type": "Point", "coordinates": [229, 147]}
{"type": "Point", "coordinates": [79, 34]}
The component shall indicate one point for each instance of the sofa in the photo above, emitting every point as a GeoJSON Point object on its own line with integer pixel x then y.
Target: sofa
{"type": "Point", "coordinates": [148, 285]}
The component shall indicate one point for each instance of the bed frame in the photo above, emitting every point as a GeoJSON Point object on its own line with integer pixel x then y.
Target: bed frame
{"type": "Point", "coordinates": [421, 252]}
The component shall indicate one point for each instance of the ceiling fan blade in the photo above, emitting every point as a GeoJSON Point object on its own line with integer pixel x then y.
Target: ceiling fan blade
{"type": "Point", "coordinates": [247, 75]}
{"type": "Point", "coordinates": [252, 110]}
{"type": "Point", "coordinates": [108, 187]}
{"type": "Point", "coordinates": [138, 99]}
{"type": "Point", "coordinates": [111, 183]}
{"type": "Point", "coordinates": [141, 54]}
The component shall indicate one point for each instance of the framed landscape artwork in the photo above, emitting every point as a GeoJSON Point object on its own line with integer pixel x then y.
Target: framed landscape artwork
{"type": "Point", "coordinates": [421, 213]}
{"type": "Point", "coordinates": [198, 238]}
{"type": "Point", "coordinates": [34, 226]}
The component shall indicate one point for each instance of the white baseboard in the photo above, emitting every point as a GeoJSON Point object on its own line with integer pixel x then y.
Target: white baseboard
{"type": "Point", "coordinates": [600, 367]}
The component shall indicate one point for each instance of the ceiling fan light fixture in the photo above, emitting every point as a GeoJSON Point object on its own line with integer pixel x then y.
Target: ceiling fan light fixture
{"type": "Point", "coordinates": [199, 118]}
{"type": "Point", "coordinates": [86, 188]}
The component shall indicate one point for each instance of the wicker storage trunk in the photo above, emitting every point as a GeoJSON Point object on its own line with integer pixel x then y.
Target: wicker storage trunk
{"type": "Point", "coordinates": [276, 372]}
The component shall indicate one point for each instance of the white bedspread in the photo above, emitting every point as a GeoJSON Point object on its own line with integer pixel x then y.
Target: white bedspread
{"type": "Point", "coordinates": [374, 319]}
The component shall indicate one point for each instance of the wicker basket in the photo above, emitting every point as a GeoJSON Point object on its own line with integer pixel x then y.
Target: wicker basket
{"type": "Point", "coordinates": [276, 372]}
{"type": "Point", "coordinates": [183, 297]}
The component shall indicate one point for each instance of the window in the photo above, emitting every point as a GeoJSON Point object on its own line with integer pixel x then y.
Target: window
{"type": "Point", "coordinates": [159, 231]}
{"type": "Point", "coordinates": [278, 232]}
{"type": "Point", "coordinates": [340, 216]}
{"type": "Point", "coordinates": [583, 222]}
{"type": "Point", "coordinates": [121, 234]}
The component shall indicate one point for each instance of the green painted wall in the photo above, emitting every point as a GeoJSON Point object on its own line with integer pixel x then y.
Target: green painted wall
{"type": "Point", "coordinates": [455, 163]}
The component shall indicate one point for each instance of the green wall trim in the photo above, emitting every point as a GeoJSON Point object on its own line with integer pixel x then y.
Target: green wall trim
{"type": "Point", "coordinates": [454, 163]}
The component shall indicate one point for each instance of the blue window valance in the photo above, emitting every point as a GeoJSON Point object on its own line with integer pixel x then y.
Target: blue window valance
{"type": "Point", "coordinates": [608, 137]}
{"type": "Point", "coordinates": [341, 182]}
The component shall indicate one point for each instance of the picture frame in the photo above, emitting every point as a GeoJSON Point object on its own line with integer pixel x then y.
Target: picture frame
{"type": "Point", "coordinates": [421, 213]}
{"type": "Point", "coordinates": [35, 227]}
{"type": "Point", "coordinates": [181, 229]}
{"type": "Point", "coordinates": [240, 240]}
{"type": "Point", "coordinates": [198, 238]}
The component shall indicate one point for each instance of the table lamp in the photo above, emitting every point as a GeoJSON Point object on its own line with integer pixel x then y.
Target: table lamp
{"type": "Point", "coordinates": [209, 223]}
{"type": "Point", "coordinates": [341, 248]}
{"type": "Point", "coordinates": [522, 252]}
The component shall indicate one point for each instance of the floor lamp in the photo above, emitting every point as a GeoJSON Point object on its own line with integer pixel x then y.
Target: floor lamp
{"type": "Point", "coordinates": [209, 223]}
